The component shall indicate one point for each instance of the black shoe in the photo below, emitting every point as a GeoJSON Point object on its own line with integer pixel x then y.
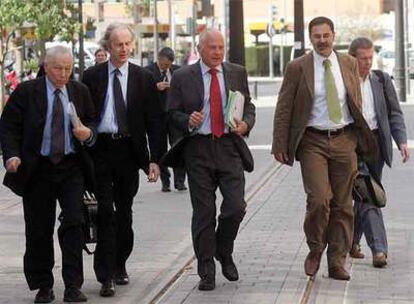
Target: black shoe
{"type": "Point", "coordinates": [74, 295]}
{"type": "Point", "coordinates": [207, 283]}
{"type": "Point", "coordinates": [228, 268]}
{"type": "Point", "coordinates": [107, 289]}
{"type": "Point", "coordinates": [181, 187]}
{"type": "Point", "coordinates": [165, 189]}
{"type": "Point", "coordinates": [121, 277]}
{"type": "Point", "coordinates": [44, 295]}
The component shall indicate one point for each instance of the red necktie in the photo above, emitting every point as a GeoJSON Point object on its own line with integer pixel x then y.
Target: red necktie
{"type": "Point", "coordinates": [216, 108]}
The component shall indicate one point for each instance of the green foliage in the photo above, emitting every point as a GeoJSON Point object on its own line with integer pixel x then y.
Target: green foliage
{"type": "Point", "coordinates": [51, 17]}
{"type": "Point", "coordinates": [31, 65]}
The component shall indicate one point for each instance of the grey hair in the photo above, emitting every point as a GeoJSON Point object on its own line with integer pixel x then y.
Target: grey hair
{"type": "Point", "coordinates": [55, 51]}
{"type": "Point", "coordinates": [359, 43]}
{"type": "Point", "coordinates": [106, 39]}
{"type": "Point", "coordinates": [203, 36]}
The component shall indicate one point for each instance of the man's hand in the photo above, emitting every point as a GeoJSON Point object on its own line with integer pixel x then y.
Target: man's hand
{"type": "Point", "coordinates": [281, 157]}
{"type": "Point", "coordinates": [154, 172]}
{"type": "Point", "coordinates": [12, 164]}
{"type": "Point", "coordinates": [241, 127]}
{"type": "Point", "coordinates": [81, 132]}
{"type": "Point", "coordinates": [163, 85]}
{"type": "Point", "coordinates": [405, 152]}
{"type": "Point", "coordinates": [196, 119]}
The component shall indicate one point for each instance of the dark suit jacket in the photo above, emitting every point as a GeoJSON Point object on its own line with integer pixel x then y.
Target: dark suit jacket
{"type": "Point", "coordinates": [143, 112]}
{"type": "Point", "coordinates": [22, 124]}
{"type": "Point", "coordinates": [186, 95]}
{"type": "Point", "coordinates": [295, 105]}
{"type": "Point", "coordinates": [389, 115]}
{"type": "Point", "coordinates": [153, 68]}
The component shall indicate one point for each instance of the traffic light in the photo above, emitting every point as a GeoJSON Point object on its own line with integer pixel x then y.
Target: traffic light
{"type": "Point", "coordinates": [273, 12]}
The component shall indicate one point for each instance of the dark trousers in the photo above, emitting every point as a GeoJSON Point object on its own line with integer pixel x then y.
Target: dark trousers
{"type": "Point", "coordinates": [117, 183]}
{"type": "Point", "coordinates": [63, 182]}
{"type": "Point", "coordinates": [368, 217]}
{"type": "Point", "coordinates": [171, 134]}
{"type": "Point", "coordinates": [329, 167]}
{"type": "Point", "coordinates": [213, 163]}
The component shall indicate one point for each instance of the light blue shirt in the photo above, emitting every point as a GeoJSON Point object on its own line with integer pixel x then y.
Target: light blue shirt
{"type": "Point", "coordinates": [108, 123]}
{"type": "Point", "coordinates": [47, 132]}
{"type": "Point", "coordinates": [205, 127]}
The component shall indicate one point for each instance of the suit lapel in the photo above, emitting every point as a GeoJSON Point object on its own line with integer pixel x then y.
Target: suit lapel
{"type": "Point", "coordinates": [102, 85]}
{"type": "Point", "coordinates": [41, 97]}
{"type": "Point", "coordinates": [131, 92]}
{"type": "Point", "coordinates": [345, 72]}
{"type": "Point", "coordinates": [376, 89]}
{"type": "Point", "coordinates": [308, 71]}
{"type": "Point", "coordinates": [196, 75]}
{"type": "Point", "coordinates": [227, 78]}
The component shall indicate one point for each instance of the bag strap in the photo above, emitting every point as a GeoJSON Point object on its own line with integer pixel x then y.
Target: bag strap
{"type": "Point", "coordinates": [380, 75]}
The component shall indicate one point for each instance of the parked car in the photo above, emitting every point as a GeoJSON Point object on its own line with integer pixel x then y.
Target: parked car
{"type": "Point", "coordinates": [386, 61]}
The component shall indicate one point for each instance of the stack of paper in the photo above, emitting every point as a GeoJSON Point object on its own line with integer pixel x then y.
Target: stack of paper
{"type": "Point", "coordinates": [234, 108]}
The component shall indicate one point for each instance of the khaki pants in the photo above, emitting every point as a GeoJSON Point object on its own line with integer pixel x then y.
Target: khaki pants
{"type": "Point", "coordinates": [329, 167]}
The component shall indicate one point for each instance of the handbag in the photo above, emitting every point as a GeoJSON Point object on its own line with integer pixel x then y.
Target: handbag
{"type": "Point", "coordinates": [367, 189]}
{"type": "Point", "coordinates": [90, 212]}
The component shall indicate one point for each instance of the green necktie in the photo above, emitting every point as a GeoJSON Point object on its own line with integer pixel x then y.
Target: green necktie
{"type": "Point", "coordinates": [334, 107]}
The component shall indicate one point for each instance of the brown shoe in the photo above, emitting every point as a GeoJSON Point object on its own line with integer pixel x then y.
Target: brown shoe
{"type": "Point", "coordinates": [339, 273]}
{"type": "Point", "coordinates": [379, 259]}
{"type": "Point", "coordinates": [312, 262]}
{"type": "Point", "coordinates": [356, 252]}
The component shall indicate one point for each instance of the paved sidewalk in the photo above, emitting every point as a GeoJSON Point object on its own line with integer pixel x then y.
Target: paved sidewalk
{"type": "Point", "coordinates": [270, 251]}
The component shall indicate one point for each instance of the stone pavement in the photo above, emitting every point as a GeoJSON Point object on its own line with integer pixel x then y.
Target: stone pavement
{"type": "Point", "coordinates": [271, 248]}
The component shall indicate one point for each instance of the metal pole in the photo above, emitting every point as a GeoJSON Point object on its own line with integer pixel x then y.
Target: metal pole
{"type": "Point", "coordinates": [236, 33]}
{"type": "Point", "coordinates": [81, 52]}
{"type": "Point", "coordinates": [299, 44]}
{"type": "Point", "coordinates": [406, 44]}
{"type": "Point", "coordinates": [170, 22]}
{"type": "Point", "coordinates": [194, 27]}
{"type": "Point", "coordinates": [270, 34]}
{"type": "Point", "coordinates": [225, 27]}
{"type": "Point", "coordinates": [399, 51]}
{"type": "Point", "coordinates": [173, 29]}
{"type": "Point", "coordinates": [155, 30]}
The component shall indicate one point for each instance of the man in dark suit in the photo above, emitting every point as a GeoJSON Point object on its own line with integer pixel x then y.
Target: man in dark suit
{"type": "Point", "coordinates": [126, 101]}
{"type": "Point", "coordinates": [318, 119]}
{"type": "Point", "coordinates": [383, 114]}
{"type": "Point", "coordinates": [196, 102]}
{"type": "Point", "coordinates": [163, 70]}
{"type": "Point", "coordinates": [45, 161]}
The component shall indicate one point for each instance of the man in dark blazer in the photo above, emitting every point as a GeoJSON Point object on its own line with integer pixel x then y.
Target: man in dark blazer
{"type": "Point", "coordinates": [43, 152]}
{"type": "Point", "coordinates": [163, 70]}
{"type": "Point", "coordinates": [126, 101]}
{"type": "Point", "coordinates": [196, 102]}
{"type": "Point", "coordinates": [383, 114]}
{"type": "Point", "coordinates": [318, 119]}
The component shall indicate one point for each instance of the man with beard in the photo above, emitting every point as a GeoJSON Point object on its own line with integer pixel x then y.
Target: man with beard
{"type": "Point", "coordinates": [318, 120]}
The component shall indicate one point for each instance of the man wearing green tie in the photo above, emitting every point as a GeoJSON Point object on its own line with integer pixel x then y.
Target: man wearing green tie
{"type": "Point", "coordinates": [318, 120]}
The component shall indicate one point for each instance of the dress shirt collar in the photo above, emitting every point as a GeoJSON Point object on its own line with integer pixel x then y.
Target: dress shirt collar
{"type": "Point", "coordinates": [123, 68]}
{"type": "Point", "coordinates": [51, 88]}
{"type": "Point", "coordinates": [205, 68]}
{"type": "Point", "coordinates": [320, 59]}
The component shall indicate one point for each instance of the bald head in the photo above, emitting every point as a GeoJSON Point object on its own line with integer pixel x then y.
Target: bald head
{"type": "Point", "coordinates": [211, 47]}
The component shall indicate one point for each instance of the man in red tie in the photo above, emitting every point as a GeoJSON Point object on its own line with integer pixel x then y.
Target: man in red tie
{"type": "Point", "coordinates": [214, 154]}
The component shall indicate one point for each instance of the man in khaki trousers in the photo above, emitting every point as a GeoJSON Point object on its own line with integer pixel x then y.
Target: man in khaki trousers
{"type": "Point", "coordinates": [318, 120]}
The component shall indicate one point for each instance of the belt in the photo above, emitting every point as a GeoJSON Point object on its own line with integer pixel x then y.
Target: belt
{"type": "Point", "coordinates": [329, 132]}
{"type": "Point", "coordinates": [114, 136]}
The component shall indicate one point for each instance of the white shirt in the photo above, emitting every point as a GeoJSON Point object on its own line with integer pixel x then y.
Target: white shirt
{"type": "Point", "coordinates": [368, 107]}
{"type": "Point", "coordinates": [319, 115]}
{"type": "Point", "coordinates": [108, 123]}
